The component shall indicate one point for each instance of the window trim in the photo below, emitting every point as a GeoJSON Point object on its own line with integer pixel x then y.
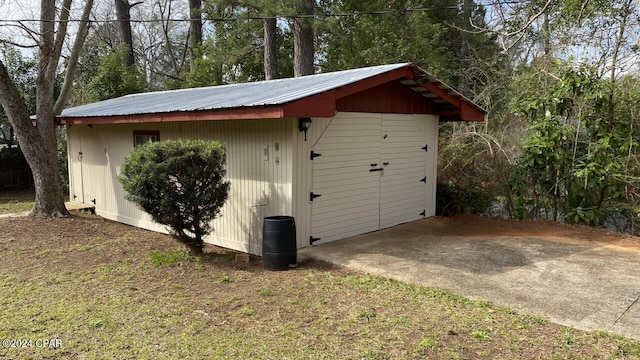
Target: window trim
{"type": "Point", "coordinates": [155, 133]}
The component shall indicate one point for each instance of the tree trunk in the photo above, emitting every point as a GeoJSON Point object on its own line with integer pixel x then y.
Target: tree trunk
{"type": "Point", "coordinates": [303, 40]}
{"type": "Point", "coordinates": [546, 35]}
{"type": "Point", "coordinates": [43, 160]}
{"type": "Point", "coordinates": [38, 139]}
{"type": "Point", "coordinates": [625, 12]}
{"type": "Point", "coordinates": [124, 26]}
{"type": "Point", "coordinates": [72, 60]}
{"type": "Point", "coordinates": [195, 28]}
{"type": "Point", "coordinates": [270, 56]}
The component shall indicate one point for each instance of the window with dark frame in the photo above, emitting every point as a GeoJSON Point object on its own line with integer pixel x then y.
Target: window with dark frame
{"type": "Point", "coordinates": [141, 137]}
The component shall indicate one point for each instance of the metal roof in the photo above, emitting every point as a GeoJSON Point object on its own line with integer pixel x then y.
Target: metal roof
{"type": "Point", "coordinates": [263, 93]}
{"type": "Point", "coordinates": [307, 96]}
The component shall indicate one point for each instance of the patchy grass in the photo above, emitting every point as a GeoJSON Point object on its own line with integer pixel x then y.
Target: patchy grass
{"type": "Point", "coordinates": [107, 290]}
{"type": "Point", "coordinates": [16, 201]}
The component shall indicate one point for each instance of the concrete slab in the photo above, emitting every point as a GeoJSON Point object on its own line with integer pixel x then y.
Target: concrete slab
{"type": "Point", "coordinates": [584, 284]}
{"type": "Point", "coordinates": [74, 205]}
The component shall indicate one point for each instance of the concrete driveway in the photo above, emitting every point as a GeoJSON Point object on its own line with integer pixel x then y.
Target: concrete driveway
{"type": "Point", "coordinates": [586, 284]}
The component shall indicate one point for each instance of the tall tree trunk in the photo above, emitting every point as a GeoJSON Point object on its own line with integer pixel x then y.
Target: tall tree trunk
{"type": "Point", "coordinates": [38, 143]}
{"type": "Point", "coordinates": [546, 34]}
{"type": "Point", "coordinates": [195, 28]}
{"type": "Point", "coordinates": [38, 139]}
{"type": "Point", "coordinates": [625, 13]}
{"type": "Point", "coordinates": [124, 26]}
{"type": "Point", "coordinates": [303, 40]}
{"type": "Point", "coordinates": [270, 56]}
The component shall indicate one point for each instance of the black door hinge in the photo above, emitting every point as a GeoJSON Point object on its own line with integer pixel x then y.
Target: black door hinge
{"type": "Point", "coordinates": [425, 148]}
{"type": "Point", "coordinates": [93, 201]}
{"type": "Point", "coordinates": [424, 179]}
{"type": "Point", "coordinates": [314, 155]}
{"type": "Point", "coordinates": [313, 239]}
{"type": "Point", "coordinates": [313, 196]}
{"type": "Point", "coordinates": [423, 213]}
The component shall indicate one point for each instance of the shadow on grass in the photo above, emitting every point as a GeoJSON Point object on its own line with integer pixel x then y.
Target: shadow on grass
{"type": "Point", "coordinates": [16, 201]}
{"type": "Point", "coordinates": [221, 257]}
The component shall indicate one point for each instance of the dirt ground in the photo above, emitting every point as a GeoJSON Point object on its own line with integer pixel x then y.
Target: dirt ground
{"type": "Point", "coordinates": [22, 200]}
{"type": "Point", "coordinates": [471, 225]}
{"type": "Point", "coordinates": [239, 310]}
{"type": "Point", "coordinates": [461, 225]}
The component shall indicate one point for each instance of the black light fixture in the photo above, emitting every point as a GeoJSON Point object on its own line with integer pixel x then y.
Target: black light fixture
{"type": "Point", "coordinates": [303, 125]}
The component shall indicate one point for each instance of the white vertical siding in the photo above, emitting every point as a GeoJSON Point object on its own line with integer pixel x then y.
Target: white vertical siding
{"type": "Point", "coordinates": [399, 180]}
{"type": "Point", "coordinates": [74, 157]}
{"type": "Point", "coordinates": [350, 191]}
{"type": "Point", "coordinates": [259, 187]}
{"type": "Point", "coordinates": [402, 193]}
{"type": "Point", "coordinates": [429, 126]}
{"type": "Point", "coordinates": [302, 176]}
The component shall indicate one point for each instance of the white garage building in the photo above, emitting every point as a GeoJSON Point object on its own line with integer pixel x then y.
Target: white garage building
{"type": "Point", "coordinates": [367, 160]}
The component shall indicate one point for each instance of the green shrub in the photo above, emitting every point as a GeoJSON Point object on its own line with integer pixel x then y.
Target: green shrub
{"type": "Point", "coordinates": [12, 158]}
{"type": "Point", "coordinates": [180, 184]}
{"type": "Point", "coordinates": [471, 170]}
{"type": "Point", "coordinates": [467, 196]}
{"type": "Point", "coordinates": [15, 172]}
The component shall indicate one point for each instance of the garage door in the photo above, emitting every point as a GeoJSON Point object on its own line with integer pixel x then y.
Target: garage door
{"type": "Point", "coordinates": [404, 158]}
{"type": "Point", "coordinates": [369, 173]}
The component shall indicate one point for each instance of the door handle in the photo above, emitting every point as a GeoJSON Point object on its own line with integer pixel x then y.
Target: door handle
{"type": "Point", "coordinates": [376, 169]}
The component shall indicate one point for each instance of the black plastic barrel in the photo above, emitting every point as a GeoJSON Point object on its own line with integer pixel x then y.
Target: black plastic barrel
{"type": "Point", "coordinates": [279, 249]}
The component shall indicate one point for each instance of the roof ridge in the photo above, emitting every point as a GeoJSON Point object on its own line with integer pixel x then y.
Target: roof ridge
{"type": "Point", "coordinates": [331, 73]}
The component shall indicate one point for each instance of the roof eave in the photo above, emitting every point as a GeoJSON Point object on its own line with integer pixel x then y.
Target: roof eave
{"type": "Point", "coordinates": [246, 113]}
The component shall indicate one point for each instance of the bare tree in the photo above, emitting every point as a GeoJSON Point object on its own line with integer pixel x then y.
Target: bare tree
{"type": "Point", "coordinates": [37, 138]}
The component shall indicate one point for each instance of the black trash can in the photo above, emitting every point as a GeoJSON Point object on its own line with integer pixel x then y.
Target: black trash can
{"type": "Point", "coordinates": [279, 248]}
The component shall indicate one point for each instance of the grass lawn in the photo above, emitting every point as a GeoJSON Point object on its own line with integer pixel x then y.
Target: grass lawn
{"type": "Point", "coordinates": [106, 290]}
{"type": "Point", "coordinates": [16, 201]}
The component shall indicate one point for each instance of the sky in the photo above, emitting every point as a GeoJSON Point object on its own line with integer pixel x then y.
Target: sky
{"type": "Point", "coordinates": [11, 10]}
{"type": "Point", "coordinates": [15, 10]}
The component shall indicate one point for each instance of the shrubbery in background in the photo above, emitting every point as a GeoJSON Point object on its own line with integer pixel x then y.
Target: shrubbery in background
{"type": "Point", "coordinates": [14, 169]}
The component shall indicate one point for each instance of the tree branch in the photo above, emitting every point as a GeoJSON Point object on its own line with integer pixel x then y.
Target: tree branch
{"type": "Point", "coordinates": [11, 101]}
{"type": "Point", "coordinates": [61, 34]}
{"type": "Point", "coordinates": [83, 30]}
{"type": "Point", "coordinates": [521, 31]}
{"type": "Point", "coordinates": [22, 46]}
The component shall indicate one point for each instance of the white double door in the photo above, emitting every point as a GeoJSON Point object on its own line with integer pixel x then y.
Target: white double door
{"type": "Point", "coordinates": [373, 171]}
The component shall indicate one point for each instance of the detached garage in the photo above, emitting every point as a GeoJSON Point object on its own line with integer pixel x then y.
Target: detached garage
{"type": "Point", "coordinates": [344, 153]}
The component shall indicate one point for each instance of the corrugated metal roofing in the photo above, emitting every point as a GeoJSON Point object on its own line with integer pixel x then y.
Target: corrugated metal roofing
{"type": "Point", "coordinates": [264, 93]}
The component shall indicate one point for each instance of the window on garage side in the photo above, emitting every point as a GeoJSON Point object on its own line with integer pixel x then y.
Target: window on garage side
{"type": "Point", "coordinates": [141, 137]}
